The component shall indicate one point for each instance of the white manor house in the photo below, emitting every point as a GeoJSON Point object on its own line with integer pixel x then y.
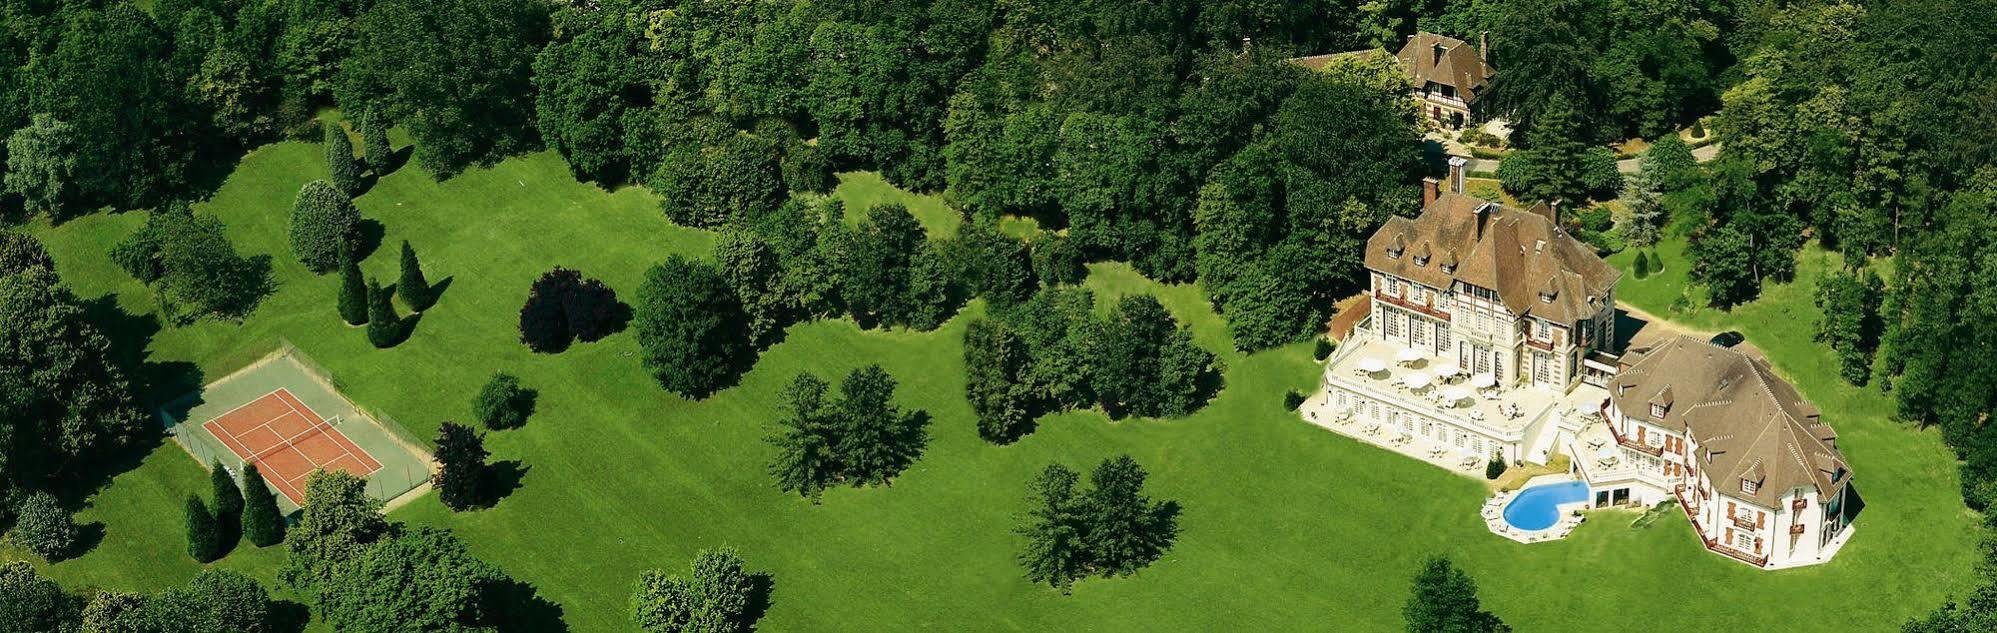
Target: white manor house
{"type": "Point", "coordinates": [1490, 332]}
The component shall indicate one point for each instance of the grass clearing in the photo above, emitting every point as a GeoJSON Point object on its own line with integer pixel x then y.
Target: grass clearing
{"type": "Point", "coordinates": [862, 190]}
{"type": "Point", "coordinates": [1286, 526]}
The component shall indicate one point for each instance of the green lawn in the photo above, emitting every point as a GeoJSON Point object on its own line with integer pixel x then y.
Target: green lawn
{"type": "Point", "coordinates": [861, 190]}
{"type": "Point", "coordinates": [1286, 527]}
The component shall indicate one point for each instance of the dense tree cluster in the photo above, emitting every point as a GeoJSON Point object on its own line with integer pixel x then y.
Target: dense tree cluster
{"type": "Point", "coordinates": [455, 73]}
{"type": "Point", "coordinates": [214, 601]}
{"type": "Point", "coordinates": [1557, 166]}
{"type": "Point", "coordinates": [858, 438]}
{"type": "Point", "coordinates": [65, 391]}
{"type": "Point", "coordinates": [1282, 224]}
{"type": "Point", "coordinates": [192, 266]}
{"type": "Point", "coordinates": [1053, 352]}
{"type": "Point", "coordinates": [367, 574]}
{"type": "Point", "coordinates": [1938, 308]}
{"type": "Point", "coordinates": [1851, 324]}
{"type": "Point", "coordinates": [715, 596]}
{"type": "Point", "coordinates": [1639, 68]}
{"type": "Point", "coordinates": [1111, 528]}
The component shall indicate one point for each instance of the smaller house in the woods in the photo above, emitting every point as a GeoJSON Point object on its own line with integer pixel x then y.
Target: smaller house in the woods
{"type": "Point", "coordinates": [1449, 75]}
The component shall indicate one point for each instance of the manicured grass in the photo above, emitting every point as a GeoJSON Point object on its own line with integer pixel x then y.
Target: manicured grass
{"type": "Point", "coordinates": [1286, 527]}
{"type": "Point", "coordinates": [861, 190]}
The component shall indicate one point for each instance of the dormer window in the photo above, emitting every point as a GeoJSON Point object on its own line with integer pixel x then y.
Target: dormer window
{"type": "Point", "coordinates": [1421, 260]}
{"type": "Point", "coordinates": [1748, 486]}
{"type": "Point", "coordinates": [1657, 411]}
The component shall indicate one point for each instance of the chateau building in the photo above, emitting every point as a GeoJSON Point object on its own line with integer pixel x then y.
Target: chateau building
{"type": "Point", "coordinates": [1488, 332]}
{"type": "Point", "coordinates": [1739, 448]}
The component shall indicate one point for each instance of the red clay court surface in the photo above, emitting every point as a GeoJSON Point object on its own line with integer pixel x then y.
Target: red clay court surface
{"type": "Point", "coordinates": [287, 441]}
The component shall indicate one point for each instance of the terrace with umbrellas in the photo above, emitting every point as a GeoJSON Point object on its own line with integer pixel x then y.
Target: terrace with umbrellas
{"type": "Point", "coordinates": [1428, 408]}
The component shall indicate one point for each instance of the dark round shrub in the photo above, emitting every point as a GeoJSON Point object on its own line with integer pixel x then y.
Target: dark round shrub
{"type": "Point", "coordinates": [1292, 399]}
{"type": "Point", "coordinates": [43, 527]}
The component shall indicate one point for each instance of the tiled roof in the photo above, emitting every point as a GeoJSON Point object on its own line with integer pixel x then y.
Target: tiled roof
{"type": "Point", "coordinates": [1754, 425]}
{"type": "Point", "coordinates": [1536, 268]}
{"type": "Point", "coordinates": [1458, 65]}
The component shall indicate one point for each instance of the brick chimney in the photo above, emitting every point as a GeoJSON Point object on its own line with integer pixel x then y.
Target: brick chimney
{"type": "Point", "coordinates": [1456, 169]}
{"type": "Point", "coordinates": [1483, 46]}
{"type": "Point", "coordinates": [1429, 187]}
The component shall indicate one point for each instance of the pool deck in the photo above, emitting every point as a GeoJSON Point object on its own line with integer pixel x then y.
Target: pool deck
{"type": "Point", "coordinates": [1494, 513]}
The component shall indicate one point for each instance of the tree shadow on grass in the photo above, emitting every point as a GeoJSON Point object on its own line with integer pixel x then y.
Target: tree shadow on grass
{"type": "Point", "coordinates": [130, 334]}
{"type": "Point", "coordinates": [88, 535]}
{"type": "Point", "coordinates": [502, 479]}
{"type": "Point", "coordinates": [519, 608]}
{"type": "Point", "coordinates": [367, 237]}
{"type": "Point", "coordinates": [762, 586]}
{"type": "Point", "coordinates": [289, 617]}
{"type": "Point", "coordinates": [437, 289]}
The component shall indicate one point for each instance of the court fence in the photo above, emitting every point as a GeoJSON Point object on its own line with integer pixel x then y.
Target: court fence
{"type": "Point", "coordinates": [397, 475]}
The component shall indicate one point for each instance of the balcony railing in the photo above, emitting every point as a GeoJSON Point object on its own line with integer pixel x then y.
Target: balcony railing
{"type": "Point", "coordinates": [1654, 451]}
{"type": "Point", "coordinates": [1798, 504]}
{"type": "Point", "coordinates": [1796, 528]}
{"type": "Point", "coordinates": [1743, 522]}
{"type": "Point", "coordinates": [1751, 559]}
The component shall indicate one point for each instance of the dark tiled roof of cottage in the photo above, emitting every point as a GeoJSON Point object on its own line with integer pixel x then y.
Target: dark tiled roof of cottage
{"type": "Point", "coordinates": [1458, 65]}
{"type": "Point", "coordinates": [1536, 268]}
{"type": "Point", "coordinates": [1754, 425]}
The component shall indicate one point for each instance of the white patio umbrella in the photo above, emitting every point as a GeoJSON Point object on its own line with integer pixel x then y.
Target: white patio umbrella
{"type": "Point", "coordinates": [1407, 355]}
{"type": "Point", "coordinates": [1445, 368]}
{"type": "Point", "coordinates": [1455, 394]}
{"type": "Point", "coordinates": [1372, 365]}
{"type": "Point", "coordinates": [1416, 380]}
{"type": "Point", "coordinates": [1607, 454]}
{"type": "Point", "coordinates": [1483, 381]}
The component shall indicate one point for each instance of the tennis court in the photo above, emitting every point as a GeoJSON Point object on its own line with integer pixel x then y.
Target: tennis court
{"type": "Point", "coordinates": [287, 441]}
{"type": "Point", "coordinates": [286, 415]}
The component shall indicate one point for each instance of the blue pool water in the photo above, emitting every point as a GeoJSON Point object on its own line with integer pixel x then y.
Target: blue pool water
{"type": "Point", "coordinates": [1538, 507]}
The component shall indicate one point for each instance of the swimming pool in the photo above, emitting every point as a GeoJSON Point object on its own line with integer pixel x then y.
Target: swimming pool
{"type": "Point", "coordinates": [1538, 507]}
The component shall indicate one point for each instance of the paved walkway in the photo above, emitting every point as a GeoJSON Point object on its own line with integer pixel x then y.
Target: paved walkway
{"type": "Point", "coordinates": [1702, 154]}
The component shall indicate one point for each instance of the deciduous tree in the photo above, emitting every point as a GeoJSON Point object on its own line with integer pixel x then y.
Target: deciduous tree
{"type": "Point", "coordinates": [324, 226]}
{"type": "Point", "coordinates": [691, 327]}
{"type": "Point", "coordinates": [337, 524]}
{"type": "Point", "coordinates": [42, 160]}
{"type": "Point", "coordinates": [421, 580]}
{"type": "Point", "coordinates": [502, 403]}
{"type": "Point", "coordinates": [1445, 599]}
{"type": "Point", "coordinates": [713, 597]}
{"type": "Point", "coordinates": [42, 526]}
{"type": "Point", "coordinates": [462, 471]}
